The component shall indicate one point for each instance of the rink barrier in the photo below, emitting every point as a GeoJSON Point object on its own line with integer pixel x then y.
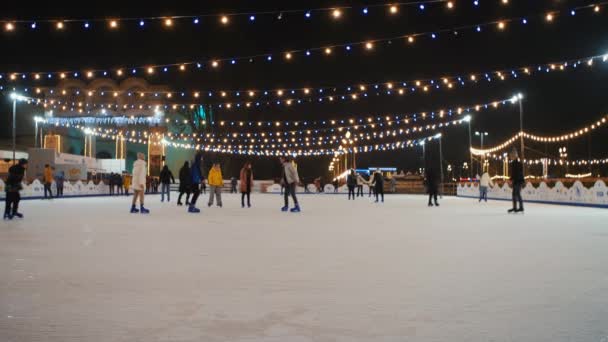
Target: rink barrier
{"type": "Point", "coordinates": [577, 194]}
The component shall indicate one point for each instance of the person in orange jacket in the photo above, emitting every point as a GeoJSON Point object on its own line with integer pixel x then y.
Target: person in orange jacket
{"type": "Point", "coordinates": [48, 181]}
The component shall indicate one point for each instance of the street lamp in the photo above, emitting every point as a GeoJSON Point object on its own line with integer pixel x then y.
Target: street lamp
{"type": "Point", "coordinates": [518, 98]}
{"type": "Point", "coordinates": [468, 120]}
{"type": "Point", "coordinates": [481, 135]}
{"type": "Point", "coordinates": [439, 136]}
{"type": "Point", "coordinates": [15, 97]}
{"type": "Point", "coordinates": [37, 120]}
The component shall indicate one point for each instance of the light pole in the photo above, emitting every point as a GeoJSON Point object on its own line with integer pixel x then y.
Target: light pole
{"type": "Point", "coordinates": [439, 136]}
{"type": "Point", "coordinates": [520, 98]}
{"type": "Point", "coordinates": [37, 119]}
{"type": "Point", "coordinates": [15, 97]}
{"type": "Point", "coordinates": [481, 135]}
{"type": "Point", "coordinates": [468, 120]}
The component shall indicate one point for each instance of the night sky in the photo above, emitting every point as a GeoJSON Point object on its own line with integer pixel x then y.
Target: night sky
{"type": "Point", "coordinates": [555, 103]}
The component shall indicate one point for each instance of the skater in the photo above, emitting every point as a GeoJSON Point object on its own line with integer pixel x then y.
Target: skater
{"type": "Point", "coordinates": [517, 182]}
{"type": "Point", "coordinates": [195, 180]}
{"type": "Point", "coordinates": [216, 182]}
{"type": "Point", "coordinates": [233, 184]}
{"type": "Point", "coordinates": [351, 183]}
{"type": "Point", "coordinates": [59, 180]}
{"type": "Point", "coordinates": [246, 184]}
{"type": "Point", "coordinates": [369, 185]}
{"type": "Point", "coordinates": [118, 183]}
{"type": "Point", "coordinates": [378, 183]}
{"type": "Point", "coordinates": [393, 184]}
{"type": "Point", "coordinates": [336, 183]}
{"type": "Point", "coordinates": [12, 188]}
{"type": "Point", "coordinates": [484, 182]}
{"type": "Point", "coordinates": [111, 180]}
{"type": "Point", "coordinates": [126, 182]}
{"type": "Point", "coordinates": [203, 185]}
{"type": "Point", "coordinates": [360, 182]}
{"type": "Point", "coordinates": [184, 183]}
{"type": "Point", "coordinates": [432, 185]}
{"type": "Point", "coordinates": [139, 184]}
{"type": "Point", "coordinates": [290, 179]}
{"type": "Point", "coordinates": [166, 178]}
{"type": "Point", "coordinates": [48, 181]}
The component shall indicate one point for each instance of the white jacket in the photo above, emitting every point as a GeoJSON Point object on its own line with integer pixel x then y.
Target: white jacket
{"type": "Point", "coordinates": [291, 174]}
{"type": "Point", "coordinates": [485, 180]}
{"type": "Point", "coordinates": [139, 175]}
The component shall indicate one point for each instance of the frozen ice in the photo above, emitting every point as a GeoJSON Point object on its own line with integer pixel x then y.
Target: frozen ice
{"type": "Point", "coordinates": [87, 270]}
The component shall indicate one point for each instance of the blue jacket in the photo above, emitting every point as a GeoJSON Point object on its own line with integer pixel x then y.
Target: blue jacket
{"type": "Point", "coordinates": [195, 170]}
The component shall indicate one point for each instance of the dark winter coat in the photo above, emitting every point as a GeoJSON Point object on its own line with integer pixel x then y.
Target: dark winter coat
{"type": "Point", "coordinates": [517, 172]}
{"type": "Point", "coordinates": [351, 180]}
{"type": "Point", "coordinates": [166, 177]}
{"type": "Point", "coordinates": [184, 178]}
{"type": "Point", "coordinates": [431, 181]}
{"type": "Point", "coordinates": [15, 177]}
{"type": "Point", "coordinates": [378, 180]}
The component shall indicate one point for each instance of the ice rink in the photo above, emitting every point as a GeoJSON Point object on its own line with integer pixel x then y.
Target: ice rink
{"type": "Point", "coordinates": [85, 270]}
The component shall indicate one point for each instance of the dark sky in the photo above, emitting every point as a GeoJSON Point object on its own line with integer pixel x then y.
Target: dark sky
{"type": "Point", "coordinates": [555, 102]}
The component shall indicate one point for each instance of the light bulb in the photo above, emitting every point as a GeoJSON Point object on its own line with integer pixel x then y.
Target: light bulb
{"type": "Point", "coordinates": [224, 20]}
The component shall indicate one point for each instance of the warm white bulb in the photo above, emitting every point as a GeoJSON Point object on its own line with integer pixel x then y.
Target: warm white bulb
{"type": "Point", "coordinates": [168, 22]}
{"type": "Point", "coordinates": [410, 39]}
{"type": "Point", "coordinates": [501, 25]}
{"type": "Point", "coordinates": [336, 13]}
{"type": "Point", "coordinates": [215, 64]}
{"type": "Point", "coordinates": [549, 17]}
{"type": "Point", "coordinates": [369, 45]}
{"type": "Point", "coordinates": [288, 55]}
{"type": "Point", "coordinates": [394, 9]}
{"type": "Point", "coordinates": [224, 20]}
{"type": "Point", "coordinates": [450, 4]}
{"type": "Point", "coordinates": [327, 51]}
{"type": "Point", "coordinates": [113, 24]}
{"type": "Point", "coordinates": [60, 25]}
{"type": "Point", "coordinates": [9, 27]}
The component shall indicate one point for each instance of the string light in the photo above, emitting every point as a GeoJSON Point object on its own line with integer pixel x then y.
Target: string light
{"type": "Point", "coordinates": [402, 87]}
{"type": "Point", "coordinates": [409, 37]}
{"type": "Point", "coordinates": [544, 139]}
{"type": "Point", "coordinates": [224, 20]}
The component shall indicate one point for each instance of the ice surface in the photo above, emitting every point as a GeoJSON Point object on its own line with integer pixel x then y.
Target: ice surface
{"type": "Point", "coordinates": [86, 270]}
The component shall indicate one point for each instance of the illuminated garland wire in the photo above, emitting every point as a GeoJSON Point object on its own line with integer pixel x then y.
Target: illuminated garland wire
{"type": "Point", "coordinates": [557, 162]}
{"type": "Point", "coordinates": [349, 122]}
{"type": "Point", "coordinates": [282, 95]}
{"type": "Point", "coordinates": [500, 24]}
{"type": "Point", "coordinates": [242, 150]}
{"type": "Point", "coordinates": [545, 139]}
{"type": "Point", "coordinates": [282, 139]}
{"type": "Point", "coordinates": [223, 18]}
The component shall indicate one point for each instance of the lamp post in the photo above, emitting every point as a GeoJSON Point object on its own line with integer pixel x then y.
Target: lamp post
{"type": "Point", "coordinates": [519, 97]}
{"type": "Point", "coordinates": [37, 120]}
{"type": "Point", "coordinates": [15, 97]}
{"type": "Point", "coordinates": [468, 120]}
{"type": "Point", "coordinates": [440, 136]}
{"type": "Point", "coordinates": [481, 135]}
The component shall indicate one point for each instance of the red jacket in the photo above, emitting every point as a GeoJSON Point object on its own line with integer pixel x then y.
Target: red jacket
{"type": "Point", "coordinates": [243, 180]}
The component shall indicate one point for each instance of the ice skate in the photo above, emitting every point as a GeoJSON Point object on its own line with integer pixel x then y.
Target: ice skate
{"type": "Point", "coordinates": [144, 210]}
{"type": "Point", "coordinates": [134, 210]}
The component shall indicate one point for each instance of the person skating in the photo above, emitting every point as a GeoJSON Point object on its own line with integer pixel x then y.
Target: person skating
{"type": "Point", "coordinates": [484, 182]}
{"type": "Point", "coordinates": [290, 179]}
{"type": "Point", "coordinates": [195, 180]}
{"type": "Point", "coordinates": [432, 185]}
{"type": "Point", "coordinates": [216, 182]}
{"type": "Point", "coordinates": [118, 183]}
{"type": "Point", "coordinates": [184, 183]}
{"type": "Point", "coordinates": [360, 182]}
{"type": "Point", "coordinates": [166, 178]}
{"type": "Point", "coordinates": [351, 183]}
{"type": "Point", "coordinates": [59, 181]}
{"type": "Point", "coordinates": [393, 184]}
{"type": "Point", "coordinates": [517, 182]}
{"type": "Point", "coordinates": [139, 184]}
{"type": "Point", "coordinates": [246, 178]}
{"type": "Point", "coordinates": [48, 181]}
{"type": "Point", "coordinates": [111, 180]}
{"type": "Point", "coordinates": [378, 182]}
{"type": "Point", "coordinates": [233, 184]}
{"type": "Point", "coordinates": [12, 188]}
{"type": "Point", "coordinates": [126, 182]}
{"type": "Point", "coordinates": [336, 183]}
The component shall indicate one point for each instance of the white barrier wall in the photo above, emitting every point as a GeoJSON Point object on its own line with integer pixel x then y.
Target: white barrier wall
{"type": "Point", "coordinates": [36, 189]}
{"type": "Point", "coordinates": [578, 194]}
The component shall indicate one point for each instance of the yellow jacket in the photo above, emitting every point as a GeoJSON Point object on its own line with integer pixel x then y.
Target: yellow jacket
{"type": "Point", "coordinates": [215, 177]}
{"type": "Point", "coordinates": [48, 175]}
{"type": "Point", "coordinates": [127, 181]}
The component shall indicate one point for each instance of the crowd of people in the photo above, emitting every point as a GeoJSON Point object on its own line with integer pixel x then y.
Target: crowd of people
{"type": "Point", "coordinates": [192, 183]}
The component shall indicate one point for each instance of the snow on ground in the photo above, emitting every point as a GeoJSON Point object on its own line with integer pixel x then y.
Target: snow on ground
{"type": "Point", "coordinates": [87, 270]}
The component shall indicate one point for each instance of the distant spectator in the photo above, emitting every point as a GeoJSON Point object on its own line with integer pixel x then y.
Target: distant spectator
{"type": "Point", "coordinates": [48, 181]}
